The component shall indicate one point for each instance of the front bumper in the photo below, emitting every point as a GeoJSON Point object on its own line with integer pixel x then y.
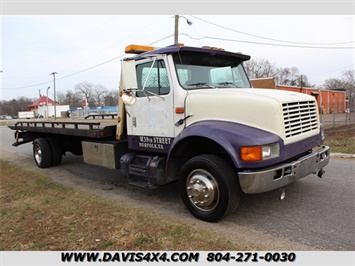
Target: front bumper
{"type": "Point", "coordinates": [253, 182]}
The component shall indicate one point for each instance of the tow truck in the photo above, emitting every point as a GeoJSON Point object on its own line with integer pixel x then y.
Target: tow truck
{"type": "Point", "coordinates": [190, 115]}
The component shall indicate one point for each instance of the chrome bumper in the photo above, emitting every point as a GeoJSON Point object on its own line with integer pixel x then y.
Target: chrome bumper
{"type": "Point", "coordinates": [253, 182]}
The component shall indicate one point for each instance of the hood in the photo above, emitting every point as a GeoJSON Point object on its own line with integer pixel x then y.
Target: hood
{"type": "Point", "coordinates": [259, 108]}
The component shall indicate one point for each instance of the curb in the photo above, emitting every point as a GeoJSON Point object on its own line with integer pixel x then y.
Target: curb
{"type": "Point", "coordinates": [342, 155]}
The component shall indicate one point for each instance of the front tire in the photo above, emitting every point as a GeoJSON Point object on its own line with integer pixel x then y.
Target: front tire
{"type": "Point", "coordinates": [209, 187]}
{"type": "Point", "coordinates": [42, 153]}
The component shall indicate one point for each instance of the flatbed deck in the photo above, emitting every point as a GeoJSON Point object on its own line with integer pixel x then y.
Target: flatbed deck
{"type": "Point", "coordinates": [105, 128]}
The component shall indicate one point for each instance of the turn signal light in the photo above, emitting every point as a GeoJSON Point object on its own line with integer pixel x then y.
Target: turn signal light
{"type": "Point", "coordinates": [179, 110]}
{"type": "Point", "coordinates": [251, 154]}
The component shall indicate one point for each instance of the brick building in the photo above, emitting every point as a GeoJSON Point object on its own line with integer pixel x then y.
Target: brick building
{"type": "Point", "coordinates": [329, 101]}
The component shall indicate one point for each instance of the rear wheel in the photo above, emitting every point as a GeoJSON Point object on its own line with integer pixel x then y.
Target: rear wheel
{"type": "Point", "coordinates": [209, 187]}
{"type": "Point", "coordinates": [56, 151]}
{"type": "Point", "coordinates": [42, 153]}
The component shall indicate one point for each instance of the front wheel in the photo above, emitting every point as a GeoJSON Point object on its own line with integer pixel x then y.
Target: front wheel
{"type": "Point", "coordinates": [209, 187]}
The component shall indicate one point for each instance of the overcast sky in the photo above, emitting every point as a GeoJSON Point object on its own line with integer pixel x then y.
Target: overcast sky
{"type": "Point", "coordinates": [321, 46]}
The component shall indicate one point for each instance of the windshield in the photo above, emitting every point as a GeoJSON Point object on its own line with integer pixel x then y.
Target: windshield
{"type": "Point", "coordinates": [201, 70]}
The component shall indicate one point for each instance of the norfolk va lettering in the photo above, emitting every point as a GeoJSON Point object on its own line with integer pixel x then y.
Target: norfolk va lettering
{"type": "Point", "coordinates": [156, 143]}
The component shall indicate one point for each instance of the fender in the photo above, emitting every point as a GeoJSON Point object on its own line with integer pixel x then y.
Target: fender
{"type": "Point", "coordinates": [230, 136]}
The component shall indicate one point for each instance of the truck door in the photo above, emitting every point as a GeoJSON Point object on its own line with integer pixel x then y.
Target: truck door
{"type": "Point", "coordinates": [150, 125]}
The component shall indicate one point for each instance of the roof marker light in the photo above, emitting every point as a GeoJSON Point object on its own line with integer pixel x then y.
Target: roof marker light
{"type": "Point", "coordinates": [138, 49]}
{"type": "Point", "coordinates": [213, 48]}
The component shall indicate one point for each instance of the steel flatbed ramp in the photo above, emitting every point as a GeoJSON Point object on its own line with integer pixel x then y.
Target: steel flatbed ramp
{"type": "Point", "coordinates": [72, 128]}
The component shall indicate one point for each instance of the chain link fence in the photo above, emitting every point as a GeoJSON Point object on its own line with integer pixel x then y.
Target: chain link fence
{"type": "Point", "coordinates": [337, 120]}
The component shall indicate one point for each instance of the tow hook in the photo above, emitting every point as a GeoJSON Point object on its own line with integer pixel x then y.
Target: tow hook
{"type": "Point", "coordinates": [320, 173]}
{"type": "Point", "coordinates": [282, 194]}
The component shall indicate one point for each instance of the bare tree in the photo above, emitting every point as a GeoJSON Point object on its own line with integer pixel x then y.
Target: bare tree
{"type": "Point", "coordinates": [70, 98]}
{"type": "Point", "coordinates": [260, 68]}
{"type": "Point", "coordinates": [99, 93]}
{"type": "Point", "coordinates": [290, 76]}
{"type": "Point", "coordinates": [60, 97]}
{"type": "Point", "coordinates": [333, 83]}
{"type": "Point", "coordinates": [111, 98]}
{"type": "Point", "coordinates": [349, 78]}
{"type": "Point", "coordinates": [287, 76]}
{"type": "Point", "coordinates": [346, 83]}
{"type": "Point", "coordinates": [85, 89]}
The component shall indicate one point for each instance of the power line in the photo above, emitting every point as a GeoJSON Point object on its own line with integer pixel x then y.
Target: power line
{"type": "Point", "coordinates": [83, 70]}
{"type": "Point", "coordinates": [335, 70]}
{"type": "Point", "coordinates": [116, 44]}
{"type": "Point", "coordinates": [86, 69]}
{"type": "Point", "coordinates": [269, 44]}
{"type": "Point", "coordinates": [108, 61]}
{"type": "Point", "coordinates": [28, 86]}
{"type": "Point", "coordinates": [196, 38]}
{"type": "Point", "coordinates": [162, 39]}
{"type": "Point", "coordinates": [266, 38]}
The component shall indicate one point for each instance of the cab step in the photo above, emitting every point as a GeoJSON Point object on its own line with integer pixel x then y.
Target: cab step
{"type": "Point", "coordinates": [144, 168]}
{"type": "Point", "coordinates": [140, 183]}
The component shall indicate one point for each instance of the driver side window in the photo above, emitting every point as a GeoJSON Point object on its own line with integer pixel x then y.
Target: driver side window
{"type": "Point", "coordinates": [153, 79]}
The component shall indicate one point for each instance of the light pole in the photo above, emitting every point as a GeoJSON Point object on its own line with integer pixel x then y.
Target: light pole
{"type": "Point", "coordinates": [176, 30]}
{"type": "Point", "coordinates": [55, 103]}
{"type": "Point", "coordinates": [47, 102]}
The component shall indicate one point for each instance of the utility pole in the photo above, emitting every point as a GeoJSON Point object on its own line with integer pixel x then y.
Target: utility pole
{"type": "Point", "coordinates": [47, 102]}
{"type": "Point", "coordinates": [176, 30]}
{"type": "Point", "coordinates": [176, 27]}
{"type": "Point", "coordinates": [55, 103]}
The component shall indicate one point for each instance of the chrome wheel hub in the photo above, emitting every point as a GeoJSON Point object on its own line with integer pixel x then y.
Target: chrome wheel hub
{"type": "Point", "coordinates": [38, 154]}
{"type": "Point", "coordinates": [202, 190]}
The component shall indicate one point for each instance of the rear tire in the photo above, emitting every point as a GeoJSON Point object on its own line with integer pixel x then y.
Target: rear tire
{"type": "Point", "coordinates": [56, 151]}
{"type": "Point", "coordinates": [42, 153]}
{"type": "Point", "coordinates": [209, 187]}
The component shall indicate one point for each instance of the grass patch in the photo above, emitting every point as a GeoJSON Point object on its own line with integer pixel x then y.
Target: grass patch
{"type": "Point", "coordinates": [341, 139]}
{"type": "Point", "coordinates": [39, 214]}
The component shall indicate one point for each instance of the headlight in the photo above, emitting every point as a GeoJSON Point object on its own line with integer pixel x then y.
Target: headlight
{"type": "Point", "coordinates": [259, 153]}
{"type": "Point", "coordinates": [266, 151]}
{"type": "Point", "coordinates": [271, 151]}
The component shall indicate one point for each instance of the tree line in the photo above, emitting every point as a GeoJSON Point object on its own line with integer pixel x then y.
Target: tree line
{"type": "Point", "coordinates": [93, 94]}
{"type": "Point", "coordinates": [292, 76]}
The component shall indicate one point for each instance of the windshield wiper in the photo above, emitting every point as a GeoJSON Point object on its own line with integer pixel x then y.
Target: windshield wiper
{"type": "Point", "coordinates": [227, 83]}
{"type": "Point", "coordinates": [199, 84]}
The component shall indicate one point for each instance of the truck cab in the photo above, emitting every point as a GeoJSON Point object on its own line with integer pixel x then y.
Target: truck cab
{"type": "Point", "coordinates": [160, 82]}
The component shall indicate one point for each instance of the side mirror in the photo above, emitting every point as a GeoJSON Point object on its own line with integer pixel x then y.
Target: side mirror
{"type": "Point", "coordinates": [129, 99]}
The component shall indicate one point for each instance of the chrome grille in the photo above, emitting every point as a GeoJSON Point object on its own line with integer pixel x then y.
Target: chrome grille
{"type": "Point", "coordinates": [299, 117]}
